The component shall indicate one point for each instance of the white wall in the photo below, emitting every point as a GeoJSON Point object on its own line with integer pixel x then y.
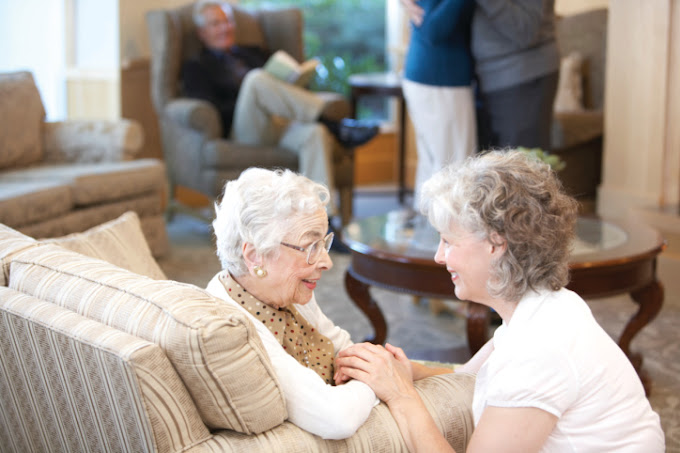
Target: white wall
{"type": "Point", "coordinates": [32, 37]}
{"type": "Point", "coordinates": [566, 7]}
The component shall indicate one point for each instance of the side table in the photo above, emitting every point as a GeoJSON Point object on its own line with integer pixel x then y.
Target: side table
{"type": "Point", "coordinates": [383, 84]}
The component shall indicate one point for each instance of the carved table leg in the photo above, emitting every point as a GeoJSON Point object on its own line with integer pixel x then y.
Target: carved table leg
{"type": "Point", "coordinates": [478, 319]}
{"type": "Point", "coordinates": [650, 301]}
{"type": "Point", "coordinates": [361, 296]}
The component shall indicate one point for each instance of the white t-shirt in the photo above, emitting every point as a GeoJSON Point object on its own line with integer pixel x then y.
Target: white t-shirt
{"type": "Point", "coordinates": [554, 356]}
{"type": "Point", "coordinates": [331, 412]}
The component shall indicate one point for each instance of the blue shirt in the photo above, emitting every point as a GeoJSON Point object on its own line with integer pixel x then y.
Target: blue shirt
{"type": "Point", "coordinates": [439, 52]}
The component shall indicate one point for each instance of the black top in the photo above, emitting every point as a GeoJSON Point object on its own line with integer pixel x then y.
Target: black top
{"type": "Point", "coordinates": [217, 76]}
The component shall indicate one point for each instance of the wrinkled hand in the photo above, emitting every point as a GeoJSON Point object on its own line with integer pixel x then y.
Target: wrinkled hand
{"type": "Point", "coordinates": [415, 12]}
{"type": "Point", "coordinates": [386, 370]}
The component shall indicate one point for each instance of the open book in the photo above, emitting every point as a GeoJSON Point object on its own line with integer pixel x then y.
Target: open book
{"type": "Point", "coordinates": [283, 66]}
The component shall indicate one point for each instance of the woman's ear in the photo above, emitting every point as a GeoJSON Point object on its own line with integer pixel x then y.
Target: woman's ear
{"type": "Point", "coordinates": [250, 255]}
{"type": "Point", "coordinates": [498, 244]}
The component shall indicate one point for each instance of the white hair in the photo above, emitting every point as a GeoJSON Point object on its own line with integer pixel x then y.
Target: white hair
{"type": "Point", "coordinates": [261, 207]}
{"type": "Point", "coordinates": [201, 5]}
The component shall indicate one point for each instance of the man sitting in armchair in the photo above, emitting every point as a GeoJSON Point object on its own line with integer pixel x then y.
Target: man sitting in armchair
{"type": "Point", "coordinates": [248, 98]}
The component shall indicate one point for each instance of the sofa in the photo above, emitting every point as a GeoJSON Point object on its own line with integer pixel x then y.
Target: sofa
{"type": "Point", "coordinates": [99, 353]}
{"type": "Point", "coordinates": [62, 177]}
{"type": "Point", "coordinates": [578, 123]}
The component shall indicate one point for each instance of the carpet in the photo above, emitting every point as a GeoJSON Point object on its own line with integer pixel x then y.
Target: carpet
{"type": "Point", "coordinates": [413, 327]}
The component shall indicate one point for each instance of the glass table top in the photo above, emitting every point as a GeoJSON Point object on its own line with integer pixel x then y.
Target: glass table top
{"type": "Point", "coordinates": [399, 235]}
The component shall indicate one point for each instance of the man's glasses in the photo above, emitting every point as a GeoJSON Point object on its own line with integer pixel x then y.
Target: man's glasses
{"type": "Point", "coordinates": [315, 248]}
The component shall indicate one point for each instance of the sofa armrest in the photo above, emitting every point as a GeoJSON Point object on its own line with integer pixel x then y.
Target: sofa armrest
{"type": "Point", "coordinates": [89, 141]}
{"type": "Point", "coordinates": [573, 128]}
{"type": "Point", "coordinates": [195, 114]}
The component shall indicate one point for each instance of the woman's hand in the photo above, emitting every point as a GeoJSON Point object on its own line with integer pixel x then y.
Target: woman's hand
{"type": "Point", "coordinates": [414, 11]}
{"type": "Point", "coordinates": [386, 370]}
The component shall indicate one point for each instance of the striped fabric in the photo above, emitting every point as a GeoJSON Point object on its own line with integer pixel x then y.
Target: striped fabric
{"type": "Point", "coordinates": [119, 241]}
{"type": "Point", "coordinates": [212, 346]}
{"type": "Point", "coordinates": [11, 241]}
{"type": "Point", "coordinates": [447, 397]}
{"type": "Point", "coordinates": [68, 383]}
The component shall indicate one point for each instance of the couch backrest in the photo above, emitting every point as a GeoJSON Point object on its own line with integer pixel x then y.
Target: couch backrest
{"type": "Point", "coordinates": [173, 39]}
{"type": "Point", "coordinates": [22, 115]}
{"type": "Point", "coordinates": [212, 345]}
{"type": "Point", "coordinates": [68, 383]}
{"type": "Point", "coordinates": [586, 33]}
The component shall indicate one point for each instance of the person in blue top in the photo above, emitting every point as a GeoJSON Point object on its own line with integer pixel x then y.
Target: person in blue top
{"type": "Point", "coordinates": [437, 88]}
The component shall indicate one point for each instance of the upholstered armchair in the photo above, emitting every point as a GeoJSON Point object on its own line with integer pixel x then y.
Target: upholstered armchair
{"type": "Point", "coordinates": [195, 153]}
{"type": "Point", "coordinates": [579, 119]}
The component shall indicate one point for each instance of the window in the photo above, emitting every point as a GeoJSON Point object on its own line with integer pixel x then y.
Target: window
{"type": "Point", "coordinates": [348, 36]}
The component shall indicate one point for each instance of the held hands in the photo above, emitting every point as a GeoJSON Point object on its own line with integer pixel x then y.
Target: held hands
{"type": "Point", "coordinates": [386, 370]}
{"type": "Point", "coordinates": [415, 12]}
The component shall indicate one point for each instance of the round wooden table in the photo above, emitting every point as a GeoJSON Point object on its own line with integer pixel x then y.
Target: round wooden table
{"type": "Point", "coordinates": [394, 252]}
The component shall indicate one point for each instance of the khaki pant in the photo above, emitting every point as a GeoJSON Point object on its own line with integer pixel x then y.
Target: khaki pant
{"type": "Point", "coordinates": [262, 100]}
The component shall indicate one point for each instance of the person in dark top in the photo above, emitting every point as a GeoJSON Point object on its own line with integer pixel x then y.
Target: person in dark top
{"type": "Point", "coordinates": [249, 99]}
{"type": "Point", "coordinates": [437, 86]}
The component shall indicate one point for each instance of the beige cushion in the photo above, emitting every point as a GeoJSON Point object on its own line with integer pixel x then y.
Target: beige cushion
{"type": "Point", "coordinates": [71, 373]}
{"type": "Point", "coordinates": [97, 182]}
{"type": "Point", "coordinates": [26, 202]}
{"type": "Point", "coordinates": [569, 97]}
{"type": "Point", "coordinates": [11, 242]}
{"type": "Point", "coordinates": [212, 345]}
{"type": "Point", "coordinates": [119, 241]}
{"type": "Point", "coordinates": [22, 115]}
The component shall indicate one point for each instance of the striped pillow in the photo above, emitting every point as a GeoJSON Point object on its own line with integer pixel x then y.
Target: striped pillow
{"type": "Point", "coordinates": [213, 346]}
{"type": "Point", "coordinates": [120, 241]}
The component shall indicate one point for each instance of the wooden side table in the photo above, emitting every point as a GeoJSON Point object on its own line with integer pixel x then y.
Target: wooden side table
{"type": "Point", "coordinates": [383, 84]}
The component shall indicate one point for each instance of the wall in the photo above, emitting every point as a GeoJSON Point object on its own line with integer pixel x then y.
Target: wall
{"type": "Point", "coordinates": [641, 175]}
{"type": "Point", "coordinates": [32, 34]}
{"type": "Point", "coordinates": [566, 7]}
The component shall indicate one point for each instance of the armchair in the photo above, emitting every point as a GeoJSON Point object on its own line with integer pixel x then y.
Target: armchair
{"type": "Point", "coordinates": [196, 155]}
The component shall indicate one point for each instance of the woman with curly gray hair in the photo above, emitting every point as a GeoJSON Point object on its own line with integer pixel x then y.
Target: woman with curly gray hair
{"type": "Point", "coordinates": [273, 242]}
{"type": "Point", "coordinates": [550, 379]}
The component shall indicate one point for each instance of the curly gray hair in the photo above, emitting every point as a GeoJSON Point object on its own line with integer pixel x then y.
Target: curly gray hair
{"type": "Point", "coordinates": [517, 197]}
{"type": "Point", "coordinates": [261, 207]}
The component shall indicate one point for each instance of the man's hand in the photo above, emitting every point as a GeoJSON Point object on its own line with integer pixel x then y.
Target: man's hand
{"type": "Point", "coordinates": [415, 12]}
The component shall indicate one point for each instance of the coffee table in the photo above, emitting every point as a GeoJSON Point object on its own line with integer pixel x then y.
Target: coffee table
{"type": "Point", "coordinates": [396, 253]}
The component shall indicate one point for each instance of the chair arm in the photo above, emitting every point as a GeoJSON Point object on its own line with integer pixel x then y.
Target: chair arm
{"type": "Point", "coordinates": [195, 114]}
{"type": "Point", "coordinates": [573, 128]}
{"type": "Point", "coordinates": [92, 140]}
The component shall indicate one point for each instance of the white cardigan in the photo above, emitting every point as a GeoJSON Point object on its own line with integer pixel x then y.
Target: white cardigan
{"type": "Point", "coordinates": [331, 412]}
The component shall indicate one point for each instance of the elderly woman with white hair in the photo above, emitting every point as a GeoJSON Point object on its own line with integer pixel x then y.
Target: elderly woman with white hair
{"type": "Point", "coordinates": [271, 229]}
{"type": "Point", "coordinates": [550, 379]}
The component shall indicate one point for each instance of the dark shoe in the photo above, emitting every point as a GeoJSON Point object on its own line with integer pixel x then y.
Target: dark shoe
{"type": "Point", "coordinates": [351, 133]}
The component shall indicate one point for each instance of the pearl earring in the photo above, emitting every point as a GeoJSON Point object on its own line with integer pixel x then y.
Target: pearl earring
{"type": "Point", "coordinates": [261, 273]}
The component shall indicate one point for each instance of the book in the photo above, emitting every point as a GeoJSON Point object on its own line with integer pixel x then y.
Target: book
{"type": "Point", "coordinates": [283, 66]}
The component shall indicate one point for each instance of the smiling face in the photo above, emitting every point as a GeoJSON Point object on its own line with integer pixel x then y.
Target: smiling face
{"type": "Point", "coordinates": [217, 33]}
{"type": "Point", "coordinates": [289, 278]}
{"type": "Point", "coordinates": [468, 259]}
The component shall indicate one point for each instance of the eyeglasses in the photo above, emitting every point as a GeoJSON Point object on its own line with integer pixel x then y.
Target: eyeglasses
{"type": "Point", "coordinates": [315, 248]}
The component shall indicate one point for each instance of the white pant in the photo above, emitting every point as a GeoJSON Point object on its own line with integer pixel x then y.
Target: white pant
{"type": "Point", "coordinates": [261, 99]}
{"type": "Point", "coordinates": [445, 126]}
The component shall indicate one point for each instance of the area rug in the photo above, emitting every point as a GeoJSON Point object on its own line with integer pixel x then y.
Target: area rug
{"type": "Point", "coordinates": [415, 328]}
